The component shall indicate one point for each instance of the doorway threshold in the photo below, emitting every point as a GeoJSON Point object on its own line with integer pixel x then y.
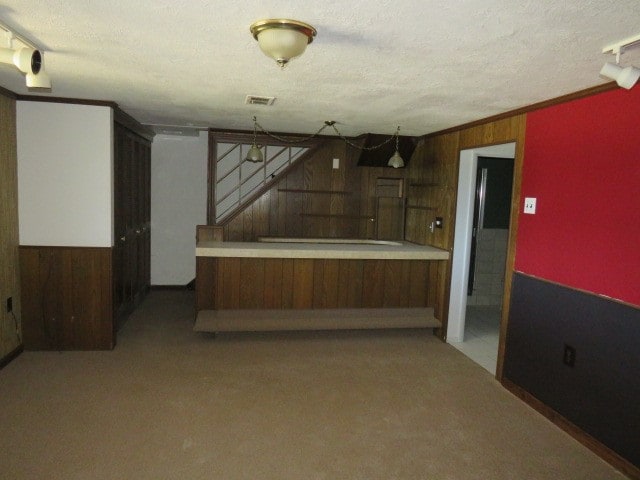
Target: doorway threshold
{"type": "Point", "coordinates": [481, 336]}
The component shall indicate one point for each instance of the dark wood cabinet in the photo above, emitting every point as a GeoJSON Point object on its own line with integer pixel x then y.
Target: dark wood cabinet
{"type": "Point", "coordinates": [132, 220]}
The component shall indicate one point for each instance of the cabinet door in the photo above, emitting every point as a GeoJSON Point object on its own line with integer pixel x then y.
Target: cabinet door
{"type": "Point", "coordinates": [147, 216]}
{"type": "Point", "coordinates": [120, 224]}
{"type": "Point", "coordinates": [132, 219]}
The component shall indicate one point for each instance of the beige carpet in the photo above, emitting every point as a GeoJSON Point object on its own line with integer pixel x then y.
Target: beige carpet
{"type": "Point", "coordinates": [169, 403]}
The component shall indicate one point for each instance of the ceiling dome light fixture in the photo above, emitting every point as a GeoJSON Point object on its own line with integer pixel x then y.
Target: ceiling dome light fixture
{"type": "Point", "coordinates": [626, 77]}
{"type": "Point", "coordinates": [282, 39]}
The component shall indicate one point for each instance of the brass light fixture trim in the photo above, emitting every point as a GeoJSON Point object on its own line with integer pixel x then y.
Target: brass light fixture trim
{"type": "Point", "coordinates": [302, 27]}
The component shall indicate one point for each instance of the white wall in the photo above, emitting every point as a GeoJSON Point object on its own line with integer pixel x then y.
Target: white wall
{"type": "Point", "coordinates": [65, 174]}
{"type": "Point", "coordinates": [178, 204]}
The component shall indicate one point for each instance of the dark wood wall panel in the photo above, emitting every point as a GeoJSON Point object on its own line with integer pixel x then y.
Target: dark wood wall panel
{"type": "Point", "coordinates": [350, 292]}
{"type": "Point", "coordinates": [315, 200]}
{"type": "Point", "coordinates": [303, 283]}
{"type": "Point", "coordinates": [206, 277]}
{"type": "Point", "coordinates": [287, 283]}
{"type": "Point", "coordinates": [9, 262]}
{"type": "Point", "coordinates": [68, 298]}
{"type": "Point", "coordinates": [254, 283]}
{"type": "Point", "coordinates": [273, 282]}
{"type": "Point", "coordinates": [418, 277]}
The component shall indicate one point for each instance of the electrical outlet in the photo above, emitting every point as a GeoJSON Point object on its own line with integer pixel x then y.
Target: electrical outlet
{"type": "Point", "coordinates": [9, 304]}
{"type": "Point", "coordinates": [530, 205]}
{"type": "Point", "coordinates": [569, 357]}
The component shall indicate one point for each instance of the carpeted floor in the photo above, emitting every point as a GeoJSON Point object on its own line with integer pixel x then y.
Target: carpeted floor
{"type": "Point", "coordinates": [169, 403]}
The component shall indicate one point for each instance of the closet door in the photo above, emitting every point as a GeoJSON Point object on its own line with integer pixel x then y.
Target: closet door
{"type": "Point", "coordinates": [132, 211]}
{"type": "Point", "coordinates": [146, 228]}
{"type": "Point", "coordinates": [120, 259]}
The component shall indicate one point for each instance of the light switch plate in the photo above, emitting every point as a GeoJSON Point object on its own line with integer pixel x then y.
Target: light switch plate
{"type": "Point", "coordinates": [336, 163]}
{"type": "Point", "coordinates": [530, 205]}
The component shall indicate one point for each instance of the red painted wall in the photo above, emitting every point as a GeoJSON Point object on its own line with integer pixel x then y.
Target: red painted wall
{"type": "Point", "coordinates": [582, 163]}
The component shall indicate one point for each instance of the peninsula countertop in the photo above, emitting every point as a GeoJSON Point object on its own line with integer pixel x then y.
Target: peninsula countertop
{"type": "Point", "coordinates": [291, 249]}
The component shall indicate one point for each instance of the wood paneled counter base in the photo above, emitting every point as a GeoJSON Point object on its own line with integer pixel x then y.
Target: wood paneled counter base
{"type": "Point", "coordinates": [291, 286]}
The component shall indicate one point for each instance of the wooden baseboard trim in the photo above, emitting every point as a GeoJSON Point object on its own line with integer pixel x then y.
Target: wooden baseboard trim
{"type": "Point", "coordinates": [7, 359]}
{"type": "Point", "coordinates": [580, 435]}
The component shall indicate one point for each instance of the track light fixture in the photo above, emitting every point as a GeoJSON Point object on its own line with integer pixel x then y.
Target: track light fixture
{"type": "Point", "coordinates": [255, 153]}
{"type": "Point", "coordinates": [626, 77]}
{"type": "Point", "coordinates": [27, 58]}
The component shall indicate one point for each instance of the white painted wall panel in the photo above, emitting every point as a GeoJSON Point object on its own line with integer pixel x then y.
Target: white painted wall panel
{"type": "Point", "coordinates": [178, 204]}
{"type": "Point", "coordinates": [65, 174]}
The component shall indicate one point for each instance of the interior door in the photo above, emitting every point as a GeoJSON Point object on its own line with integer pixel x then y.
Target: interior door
{"type": "Point", "coordinates": [494, 181]}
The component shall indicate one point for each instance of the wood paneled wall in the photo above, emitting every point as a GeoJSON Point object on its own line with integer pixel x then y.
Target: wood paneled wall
{"type": "Point", "coordinates": [70, 298]}
{"type": "Point", "coordinates": [431, 182]}
{"type": "Point", "coordinates": [341, 202]}
{"type": "Point", "coordinates": [276, 283]}
{"type": "Point", "coordinates": [432, 177]}
{"type": "Point", "coordinates": [9, 264]}
{"type": "Point", "coordinates": [431, 190]}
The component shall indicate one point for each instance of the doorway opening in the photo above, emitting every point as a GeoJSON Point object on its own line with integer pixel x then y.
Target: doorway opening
{"type": "Point", "coordinates": [480, 245]}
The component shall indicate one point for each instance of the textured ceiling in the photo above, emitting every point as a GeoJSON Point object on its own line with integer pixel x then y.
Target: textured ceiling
{"type": "Point", "coordinates": [424, 65]}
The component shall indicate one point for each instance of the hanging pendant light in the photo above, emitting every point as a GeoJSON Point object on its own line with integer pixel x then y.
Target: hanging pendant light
{"type": "Point", "coordinates": [396, 160]}
{"type": "Point", "coordinates": [254, 154]}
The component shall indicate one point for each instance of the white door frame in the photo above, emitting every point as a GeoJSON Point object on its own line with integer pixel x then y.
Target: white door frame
{"type": "Point", "coordinates": [463, 230]}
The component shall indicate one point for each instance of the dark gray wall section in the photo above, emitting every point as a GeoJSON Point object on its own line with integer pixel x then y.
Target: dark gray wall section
{"type": "Point", "coordinates": [601, 393]}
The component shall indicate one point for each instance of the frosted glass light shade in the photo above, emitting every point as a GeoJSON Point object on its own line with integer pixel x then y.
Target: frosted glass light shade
{"type": "Point", "coordinates": [281, 44]}
{"type": "Point", "coordinates": [282, 39]}
{"type": "Point", "coordinates": [254, 154]}
{"type": "Point", "coordinates": [396, 160]}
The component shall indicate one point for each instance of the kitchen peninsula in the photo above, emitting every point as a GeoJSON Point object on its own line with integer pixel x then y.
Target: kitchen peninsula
{"type": "Point", "coordinates": [304, 284]}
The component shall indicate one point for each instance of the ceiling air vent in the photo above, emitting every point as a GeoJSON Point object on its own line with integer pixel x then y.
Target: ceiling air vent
{"type": "Point", "coordinates": [256, 100]}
